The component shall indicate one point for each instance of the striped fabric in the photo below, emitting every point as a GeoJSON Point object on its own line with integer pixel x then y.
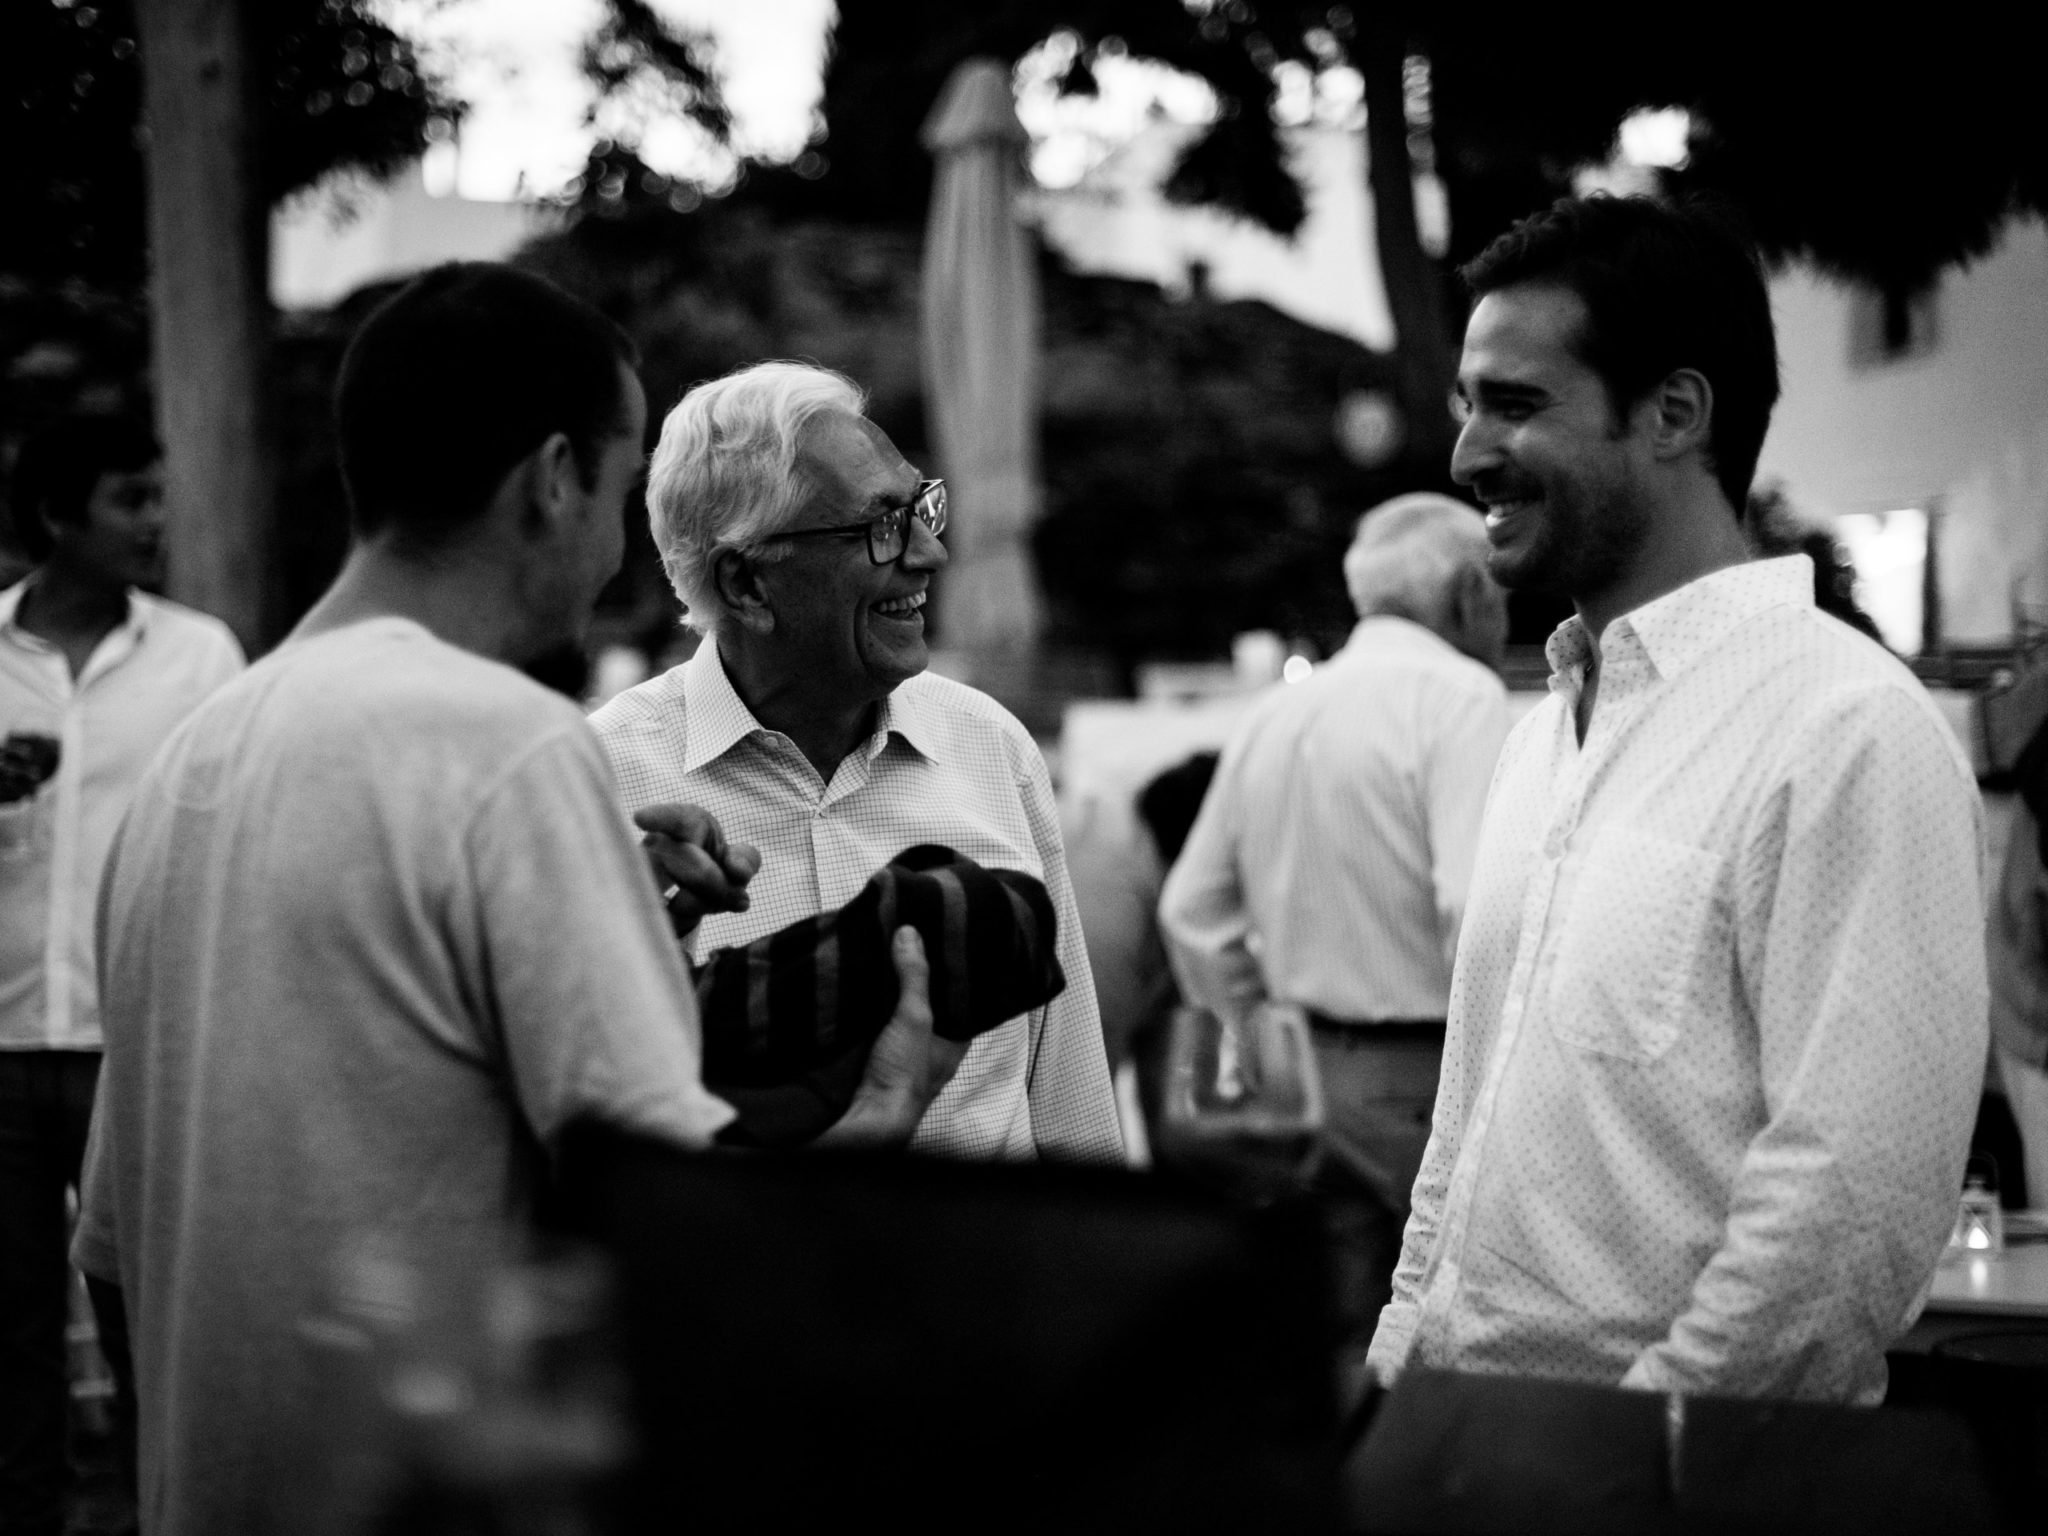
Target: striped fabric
{"type": "Point", "coordinates": [789, 1019]}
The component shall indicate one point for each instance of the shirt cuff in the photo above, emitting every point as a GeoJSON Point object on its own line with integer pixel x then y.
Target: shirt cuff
{"type": "Point", "coordinates": [1651, 1374]}
{"type": "Point", "coordinates": [1391, 1342]}
{"type": "Point", "coordinates": [92, 1250]}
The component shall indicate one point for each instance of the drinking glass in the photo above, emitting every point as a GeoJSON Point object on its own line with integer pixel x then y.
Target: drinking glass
{"type": "Point", "coordinates": [1244, 1103]}
{"type": "Point", "coordinates": [31, 748]}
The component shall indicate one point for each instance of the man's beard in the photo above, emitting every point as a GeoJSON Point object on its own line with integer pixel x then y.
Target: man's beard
{"type": "Point", "coordinates": [1589, 534]}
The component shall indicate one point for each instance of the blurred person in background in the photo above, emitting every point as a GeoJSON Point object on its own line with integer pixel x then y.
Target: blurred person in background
{"type": "Point", "coordinates": [1775, 529]}
{"type": "Point", "coordinates": [1718, 1024]}
{"type": "Point", "coordinates": [803, 546]}
{"type": "Point", "coordinates": [94, 674]}
{"type": "Point", "coordinates": [2018, 958]}
{"type": "Point", "coordinates": [1119, 848]}
{"type": "Point", "coordinates": [1329, 865]}
{"type": "Point", "coordinates": [374, 929]}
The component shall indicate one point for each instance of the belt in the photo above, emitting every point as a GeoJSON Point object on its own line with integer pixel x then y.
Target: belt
{"type": "Point", "coordinates": [1376, 1029]}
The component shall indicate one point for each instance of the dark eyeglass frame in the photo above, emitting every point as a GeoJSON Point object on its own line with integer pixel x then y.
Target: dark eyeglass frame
{"type": "Point", "coordinates": [888, 535]}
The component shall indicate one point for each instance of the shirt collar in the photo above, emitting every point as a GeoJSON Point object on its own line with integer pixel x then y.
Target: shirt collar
{"type": "Point", "coordinates": [719, 718]}
{"type": "Point", "coordinates": [1675, 630]}
{"type": "Point", "coordinates": [10, 606]}
{"type": "Point", "coordinates": [1388, 630]}
{"type": "Point", "coordinates": [910, 712]}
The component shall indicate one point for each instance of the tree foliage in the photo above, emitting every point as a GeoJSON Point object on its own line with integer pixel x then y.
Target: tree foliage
{"type": "Point", "coordinates": [636, 55]}
{"type": "Point", "coordinates": [338, 90]}
{"type": "Point", "coordinates": [1883, 152]}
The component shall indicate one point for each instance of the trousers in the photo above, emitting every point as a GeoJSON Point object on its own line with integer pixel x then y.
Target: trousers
{"type": "Point", "coordinates": [1379, 1091]}
{"type": "Point", "coordinates": [45, 1110]}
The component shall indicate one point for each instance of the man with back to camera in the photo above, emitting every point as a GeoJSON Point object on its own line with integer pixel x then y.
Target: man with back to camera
{"type": "Point", "coordinates": [1329, 864]}
{"type": "Point", "coordinates": [374, 930]}
{"type": "Point", "coordinates": [802, 545]}
{"type": "Point", "coordinates": [1718, 1021]}
{"type": "Point", "coordinates": [94, 674]}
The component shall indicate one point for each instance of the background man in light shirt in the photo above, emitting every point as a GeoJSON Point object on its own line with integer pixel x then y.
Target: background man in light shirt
{"type": "Point", "coordinates": [1718, 1023]}
{"type": "Point", "coordinates": [803, 545]}
{"type": "Point", "coordinates": [94, 674]}
{"type": "Point", "coordinates": [1330, 861]}
{"type": "Point", "coordinates": [374, 930]}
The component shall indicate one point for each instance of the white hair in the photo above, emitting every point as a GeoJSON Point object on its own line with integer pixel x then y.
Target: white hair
{"type": "Point", "coordinates": [1408, 553]}
{"type": "Point", "coordinates": [726, 475]}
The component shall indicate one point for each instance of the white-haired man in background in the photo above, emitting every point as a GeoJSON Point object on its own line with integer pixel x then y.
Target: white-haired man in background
{"type": "Point", "coordinates": [1330, 861]}
{"type": "Point", "coordinates": [803, 546]}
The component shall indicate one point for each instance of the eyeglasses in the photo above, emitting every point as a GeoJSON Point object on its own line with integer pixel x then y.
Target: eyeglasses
{"type": "Point", "coordinates": [889, 535]}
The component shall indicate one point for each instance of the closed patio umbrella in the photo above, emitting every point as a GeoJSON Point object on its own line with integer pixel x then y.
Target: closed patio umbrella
{"type": "Point", "coordinates": [981, 340]}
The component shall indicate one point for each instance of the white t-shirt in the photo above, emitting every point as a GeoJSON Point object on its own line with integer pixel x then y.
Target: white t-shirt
{"type": "Point", "coordinates": [373, 932]}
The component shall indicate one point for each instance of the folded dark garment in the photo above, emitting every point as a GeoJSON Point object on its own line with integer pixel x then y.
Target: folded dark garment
{"type": "Point", "coordinates": [789, 1019]}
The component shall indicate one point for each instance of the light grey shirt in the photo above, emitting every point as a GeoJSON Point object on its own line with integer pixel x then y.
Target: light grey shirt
{"type": "Point", "coordinates": [1330, 861]}
{"type": "Point", "coordinates": [373, 933]}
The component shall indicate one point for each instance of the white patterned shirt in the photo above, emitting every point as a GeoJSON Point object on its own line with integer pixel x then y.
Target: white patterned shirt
{"type": "Point", "coordinates": [1330, 862]}
{"type": "Point", "coordinates": [142, 679]}
{"type": "Point", "coordinates": [1717, 1028]}
{"type": "Point", "coordinates": [945, 764]}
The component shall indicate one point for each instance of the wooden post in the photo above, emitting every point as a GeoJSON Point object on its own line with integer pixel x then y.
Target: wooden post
{"type": "Point", "coordinates": [209, 309]}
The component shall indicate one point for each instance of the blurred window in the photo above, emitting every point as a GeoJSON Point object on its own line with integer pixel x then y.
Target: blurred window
{"type": "Point", "coordinates": [1892, 325]}
{"type": "Point", "coordinates": [1889, 553]}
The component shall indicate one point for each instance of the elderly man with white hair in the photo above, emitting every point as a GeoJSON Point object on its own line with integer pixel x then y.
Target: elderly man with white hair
{"type": "Point", "coordinates": [803, 546]}
{"type": "Point", "coordinates": [1329, 865]}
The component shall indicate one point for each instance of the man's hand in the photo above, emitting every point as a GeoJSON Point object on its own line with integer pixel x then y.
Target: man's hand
{"type": "Point", "coordinates": [908, 1066]}
{"type": "Point", "coordinates": [695, 868]}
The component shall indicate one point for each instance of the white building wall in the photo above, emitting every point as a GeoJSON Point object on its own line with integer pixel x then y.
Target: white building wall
{"type": "Point", "coordinates": [328, 243]}
{"type": "Point", "coordinates": [1117, 223]}
{"type": "Point", "coordinates": [1963, 427]}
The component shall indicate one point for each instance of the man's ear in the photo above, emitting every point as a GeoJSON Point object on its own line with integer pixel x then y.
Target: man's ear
{"type": "Point", "coordinates": [1470, 605]}
{"type": "Point", "coordinates": [1683, 420]}
{"type": "Point", "coordinates": [737, 581]}
{"type": "Point", "coordinates": [1466, 597]}
{"type": "Point", "coordinates": [554, 483]}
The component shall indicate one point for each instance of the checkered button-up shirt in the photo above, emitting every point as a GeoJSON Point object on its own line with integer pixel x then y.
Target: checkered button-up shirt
{"type": "Point", "coordinates": [1718, 1019]}
{"type": "Point", "coordinates": [945, 764]}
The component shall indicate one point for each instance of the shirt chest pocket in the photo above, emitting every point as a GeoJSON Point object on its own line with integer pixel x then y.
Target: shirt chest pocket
{"type": "Point", "coordinates": [1640, 913]}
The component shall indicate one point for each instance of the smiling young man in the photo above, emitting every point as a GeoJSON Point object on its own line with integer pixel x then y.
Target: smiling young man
{"type": "Point", "coordinates": [1718, 1017]}
{"type": "Point", "coordinates": [94, 674]}
{"type": "Point", "coordinates": [803, 546]}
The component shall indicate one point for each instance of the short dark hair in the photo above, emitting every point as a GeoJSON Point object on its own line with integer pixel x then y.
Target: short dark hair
{"type": "Point", "coordinates": [1665, 287]}
{"type": "Point", "coordinates": [58, 466]}
{"type": "Point", "coordinates": [459, 376]}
